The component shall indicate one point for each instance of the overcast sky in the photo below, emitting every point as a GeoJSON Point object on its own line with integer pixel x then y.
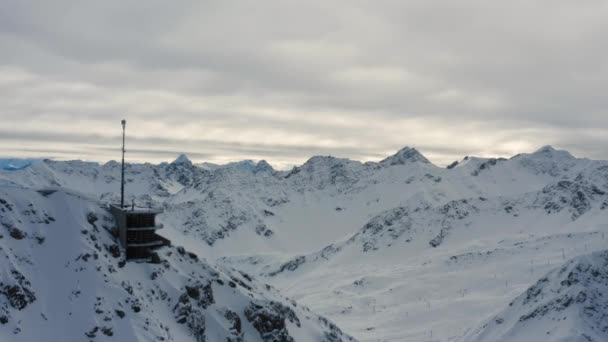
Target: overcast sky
{"type": "Point", "coordinates": [284, 80]}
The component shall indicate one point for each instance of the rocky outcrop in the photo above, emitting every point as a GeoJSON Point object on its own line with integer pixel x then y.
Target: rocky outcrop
{"type": "Point", "coordinates": [270, 320]}
{"type": "Point", "coordinates": [405, 156]}
{"type": "Point", "coordinates": [576, 196]}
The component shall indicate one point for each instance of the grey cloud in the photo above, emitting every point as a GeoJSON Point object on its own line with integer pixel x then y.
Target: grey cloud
{"type": "Point", "coordinates": [159, 149]}
{"type": "Point", "coordinates": [280, 79]}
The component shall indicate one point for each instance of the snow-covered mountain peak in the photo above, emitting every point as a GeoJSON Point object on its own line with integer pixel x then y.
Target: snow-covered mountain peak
{"type": "Point", "coordinates": [243, 165]}
{"type": "Point", "coordinates": [112, 163]}
{"type": "Point", "coordinates": [324, 160]}
{"type": "Point", "coordinates": [404, 156]}
{"type": "Point", "coordinates": [263, 166]}
{"type": "Point", "coordinates": [547, 160]}
{"type": "Point", "coordinates": [546, 149]}
{"type": "Point", "coordinates": [321, 167]}
{"type": "Point", "coordinates": [182, 159]}
{"type": "Point", "coordinates": [550, 152]}
{"type": "Point", "coordinates": [208, 166]}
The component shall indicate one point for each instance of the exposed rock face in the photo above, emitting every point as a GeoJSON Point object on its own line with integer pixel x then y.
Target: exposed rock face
{"type": "Point", "coordinates": [236, 327]}
{"type": "Point", "coordinates": [576, 196]}
{"type": "Point", "coordinates": [191, 306]}
{"type": "Point", "coordinates": [291, 265]}
{"type": "Point", "coordinates": [263, 166]}
{"type": "Point", "coordinates": [18, 294]}
{"type": "Point", "coordinates": [486, 165]}
{"type": "Point", "coordinates": [269, 319]}
{"type": "Point", "coordinates": [452, 165]}
{"type": "Point", "coordinates": [404, 156]}
{"type": "Point", "coordinates": [390, 225]}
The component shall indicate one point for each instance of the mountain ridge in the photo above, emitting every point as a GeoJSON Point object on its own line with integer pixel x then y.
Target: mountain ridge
{"type": "Point", "coordinates": [348, 238]}
{"type": "Point", "coordinates": [403, 155]}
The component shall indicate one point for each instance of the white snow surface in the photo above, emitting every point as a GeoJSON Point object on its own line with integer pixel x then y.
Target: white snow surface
{"type": "Point", "coordinates": [568, 304]}
{"type": "Point", "coordinates": [399, 250]}
{"type": "Point", "coordinates": [62, 279]}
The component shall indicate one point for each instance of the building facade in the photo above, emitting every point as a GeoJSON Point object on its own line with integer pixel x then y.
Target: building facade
{"type": "Point", "coordinates": [137, 229]}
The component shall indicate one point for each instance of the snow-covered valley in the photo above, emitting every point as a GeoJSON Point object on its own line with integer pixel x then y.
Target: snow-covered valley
{"type": "Point", "coordinates": [398, 250]}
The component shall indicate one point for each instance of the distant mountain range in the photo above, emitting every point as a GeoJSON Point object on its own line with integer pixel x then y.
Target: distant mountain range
{"type": "Point", "coordinates": [395, 250]}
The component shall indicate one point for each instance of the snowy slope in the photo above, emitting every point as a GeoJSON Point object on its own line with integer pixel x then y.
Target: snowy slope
{"type": "Point", "coordinates": [270, 209]}
{"type": "Point", "coordinates": [568, 304]}
{"type": "Point", "coordinates": [63, 279]}
{"type": "Point", "coordinates": [423, 225]}
{"type": "Point", "coordinates": [470, 255]}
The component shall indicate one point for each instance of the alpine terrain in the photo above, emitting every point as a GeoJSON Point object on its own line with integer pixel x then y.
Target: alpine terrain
{"type": "Point", "coordinates": [486, 249]}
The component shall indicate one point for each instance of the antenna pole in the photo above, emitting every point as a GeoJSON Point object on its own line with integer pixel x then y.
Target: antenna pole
{"type": "Point", "coordinates": [122, 171]}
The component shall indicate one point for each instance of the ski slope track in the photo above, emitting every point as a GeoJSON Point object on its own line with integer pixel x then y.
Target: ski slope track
{"type": "Point", "coordinates": [395, 250]}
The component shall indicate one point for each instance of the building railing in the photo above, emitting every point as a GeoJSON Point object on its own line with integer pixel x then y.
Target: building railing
{"type": "Point", "coordinates": [155, 227]}
{"type": "Point", "coordinates": [157, 240]}
{"type": "Point", "coordinates": [147, 244]}
{"type": "Point", "coordinates": [137, 210]}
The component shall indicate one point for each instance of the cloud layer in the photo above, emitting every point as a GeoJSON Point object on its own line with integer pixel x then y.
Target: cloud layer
{"type": "Point", "coordinates": [283, 80]}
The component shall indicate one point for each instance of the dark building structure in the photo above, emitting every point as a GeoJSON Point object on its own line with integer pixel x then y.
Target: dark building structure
{"type": "Point", "coordinates": [136, 226]}
{"type": "Point", "coordinates": [137, 231]}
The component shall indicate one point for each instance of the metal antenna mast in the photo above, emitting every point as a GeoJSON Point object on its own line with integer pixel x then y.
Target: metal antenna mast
{"type": "Point", "coordinates": [122, 172]}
